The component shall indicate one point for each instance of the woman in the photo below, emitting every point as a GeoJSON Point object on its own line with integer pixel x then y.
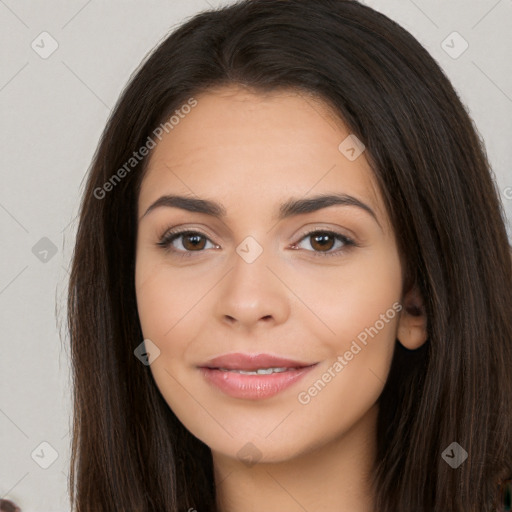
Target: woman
{"type": "Point", "coordinates": [291, 286]}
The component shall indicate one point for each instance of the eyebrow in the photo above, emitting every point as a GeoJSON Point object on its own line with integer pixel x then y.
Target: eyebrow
{"type": "Point", "coordinates": [290, 208]}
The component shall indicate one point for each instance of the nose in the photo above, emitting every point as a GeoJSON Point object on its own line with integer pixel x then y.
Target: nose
{"type": "Point", "coordinates": [253, 293]}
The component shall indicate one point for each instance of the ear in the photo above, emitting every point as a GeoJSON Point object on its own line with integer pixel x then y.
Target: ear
{"type": "Point", "coordinates": [412, 326]}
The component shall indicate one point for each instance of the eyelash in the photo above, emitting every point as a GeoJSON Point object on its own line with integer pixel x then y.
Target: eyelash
{"type": "Point", "coordinates": [169, 237]}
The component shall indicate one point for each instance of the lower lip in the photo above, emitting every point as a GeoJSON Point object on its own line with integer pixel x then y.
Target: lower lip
{"type": "Point", "coordinates": [253, 387]}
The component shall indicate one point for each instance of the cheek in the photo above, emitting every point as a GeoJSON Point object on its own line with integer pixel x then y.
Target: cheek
{"type": "Point", "coordinates": [168, 304]}
{"type": "Point", "coordinates": [347, 300]}
{"type": "Point", "coordinates": [165, 302]}
{"type": "Point", "coordinates": [350, 380]}
{"type": "Point", "coordinates": [358, 308]}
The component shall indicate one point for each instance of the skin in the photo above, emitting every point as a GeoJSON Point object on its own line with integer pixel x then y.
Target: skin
{"type": "Point", "coordinates": [252, 152]}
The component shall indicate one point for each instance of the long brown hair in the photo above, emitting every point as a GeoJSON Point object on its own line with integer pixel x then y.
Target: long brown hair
{"type": "Point", "coordinates": [129, 451]}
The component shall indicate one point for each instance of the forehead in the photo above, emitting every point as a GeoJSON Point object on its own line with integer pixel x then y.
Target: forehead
{"type": "Point", "coordinates": [251, 147]}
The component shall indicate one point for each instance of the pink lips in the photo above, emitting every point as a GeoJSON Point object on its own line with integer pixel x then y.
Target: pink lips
{"type": "Point", "coordinates": [253, 387]}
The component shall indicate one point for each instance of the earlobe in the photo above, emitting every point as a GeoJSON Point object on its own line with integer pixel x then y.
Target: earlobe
{"type": "Point", "coordinates": [412, 337]}
{"type": "Point", "coordinates": [412, 326]}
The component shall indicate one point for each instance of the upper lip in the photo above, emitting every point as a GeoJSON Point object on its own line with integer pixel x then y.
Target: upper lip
{"type": "Point", "coordinates": [239, 361]}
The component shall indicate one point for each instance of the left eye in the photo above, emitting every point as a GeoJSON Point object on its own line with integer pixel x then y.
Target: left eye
{"type": "Point", "coordinates": [322, 242]}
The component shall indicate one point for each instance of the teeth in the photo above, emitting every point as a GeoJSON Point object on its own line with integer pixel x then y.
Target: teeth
{"type": "Point", "coordinates": [259, 371]}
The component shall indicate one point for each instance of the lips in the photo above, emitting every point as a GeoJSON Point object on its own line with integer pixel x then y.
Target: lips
{"type": "Point", "coordinates": [227, 373]}
{"type": "Point", "coordinates": [251, 362]}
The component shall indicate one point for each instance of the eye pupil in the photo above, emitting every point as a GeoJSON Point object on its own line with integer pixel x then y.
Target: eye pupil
{"type": "Point", "coordinates": [323, 238]}
{"type": "Point", "coordinates": [195, 244]}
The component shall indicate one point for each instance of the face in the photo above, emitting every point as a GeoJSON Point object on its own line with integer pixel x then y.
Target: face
{"type": "Point", "coordinates": [319, 286]}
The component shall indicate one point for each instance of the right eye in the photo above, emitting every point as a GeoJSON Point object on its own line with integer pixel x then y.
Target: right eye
{"type": "Point", "coordinates": [191, 241]}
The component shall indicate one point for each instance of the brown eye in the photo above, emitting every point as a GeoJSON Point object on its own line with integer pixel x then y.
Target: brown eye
{"type": "Point", "coordinates": [193, 241]}
{"type": "Point", "coordinates": [190, 241]}
{"type": "Point", "coordinates": [322, 242]}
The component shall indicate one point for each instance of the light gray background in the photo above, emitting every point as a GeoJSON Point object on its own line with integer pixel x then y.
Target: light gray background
{"type": "Point", "coordinates": [52, 113]}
